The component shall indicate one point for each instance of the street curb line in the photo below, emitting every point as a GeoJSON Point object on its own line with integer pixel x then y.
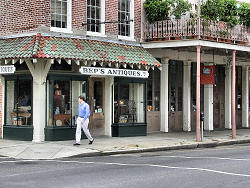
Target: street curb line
{"type": "Point", "coordinates": [165, 148]}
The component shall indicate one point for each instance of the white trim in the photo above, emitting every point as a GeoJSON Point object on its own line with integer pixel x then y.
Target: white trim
{"type": "Point", "coordinates": [185, 43]}
{"type": "Point", "coordinates": [69, 20]}
{"type": "Point", "coordinates": [2, 80]}
{"type": "Point", "coordinates": [96, 34]}
{"type": "Point", "coordinates": [103, 8]}
{"type": "Point", "coordinates": [126, 38]}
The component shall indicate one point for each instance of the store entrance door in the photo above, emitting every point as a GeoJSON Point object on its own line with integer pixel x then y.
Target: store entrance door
{"type": "Point", "coordinates": [219, 99]}
{"type": "Point", "coordinates": [96, 101]}
{"type": "Point", "coordinates": [175, 85]}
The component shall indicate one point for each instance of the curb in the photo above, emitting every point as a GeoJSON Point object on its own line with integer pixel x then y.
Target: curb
{"type": "Point", "coordinates": [167, 148]}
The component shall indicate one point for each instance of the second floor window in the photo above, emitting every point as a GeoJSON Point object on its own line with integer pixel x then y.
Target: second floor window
{"type": "Point", "coordinates": [93, 15]}
{"type": "Point", "coordinates": [124, 17]}
{"type": "Point", "coordinates": [59, 13]}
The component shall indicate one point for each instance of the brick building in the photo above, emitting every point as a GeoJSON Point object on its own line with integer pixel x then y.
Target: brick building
{"type": "Point", "coordinates": [61, 49]}
{"type": "Point", "coordinates": [100, 49]}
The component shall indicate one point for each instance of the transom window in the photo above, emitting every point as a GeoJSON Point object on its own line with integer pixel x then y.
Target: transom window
{"type": "Point", "coordinates": [124, 17]}
{"type": "Point", "coordinates": [93, 15]}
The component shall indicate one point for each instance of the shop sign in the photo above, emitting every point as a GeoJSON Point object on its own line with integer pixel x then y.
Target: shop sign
{"type": "Point", "coordinates": [207, 75]}
{"type": "Point", "coordinates": [113, 72]}
{"type": "Point", "coordinates": [10, 69]}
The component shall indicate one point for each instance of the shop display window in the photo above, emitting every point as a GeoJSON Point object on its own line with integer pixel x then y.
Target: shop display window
{"type": "Point", "coordinates": [18, 102]}
{"type": "Point", "coordinates": [129, 103]}
{"type": "Point", "coordinates": [62, 101]}
{"type": "Point", "coordinates": [153, 90]}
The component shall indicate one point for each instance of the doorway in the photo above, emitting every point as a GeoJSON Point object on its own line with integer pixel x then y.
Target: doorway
{"type": "Point", "coordinates": [175, 94]}
{"type": "Point", "coordinates": [219, 98]}
{"type": "Point", "coordinates": [97, 106]}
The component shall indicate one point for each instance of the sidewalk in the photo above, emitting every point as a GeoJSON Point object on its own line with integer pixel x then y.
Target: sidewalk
{"type": "Point", "coordinates": [118, 145]}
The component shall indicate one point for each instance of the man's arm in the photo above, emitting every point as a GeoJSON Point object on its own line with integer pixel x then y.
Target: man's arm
{"type": "Point", "coordinates": [87, 112]}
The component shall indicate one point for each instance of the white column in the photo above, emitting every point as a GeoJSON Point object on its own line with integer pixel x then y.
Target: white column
{"type": "Point", "coordinates": [164, 95]}
{"type": "Point", "coordinates": [39, 72]}
{"type": "Point", "coordinates": [245, 100]}
{"type": "Point", "coordinates": [208, 107]}
{"type": "Point", "coordinates": [228, 98]}
{"type": "Point", "coordinates": [2, 83]}
{"type": "Point", "coordinates": [109, 83]}
{"type": "Point", "coordinates": [187, 96]}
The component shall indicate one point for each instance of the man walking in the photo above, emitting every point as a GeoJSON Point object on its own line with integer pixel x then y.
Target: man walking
{"type": "Point", "coordinates": [83, 121]}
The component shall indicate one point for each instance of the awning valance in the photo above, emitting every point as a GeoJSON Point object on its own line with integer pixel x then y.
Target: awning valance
{"type": "Point", "coordinates": [50, 47]}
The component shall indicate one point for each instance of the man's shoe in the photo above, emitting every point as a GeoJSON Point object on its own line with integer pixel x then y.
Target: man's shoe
{"type": "Point", "coordinates": [91, 142]}
{"type": "Point", "coordinates": [76, 144]}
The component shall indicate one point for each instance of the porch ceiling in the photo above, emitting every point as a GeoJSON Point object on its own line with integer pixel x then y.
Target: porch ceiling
{"type": "Point", "coordinates": [48, 47]}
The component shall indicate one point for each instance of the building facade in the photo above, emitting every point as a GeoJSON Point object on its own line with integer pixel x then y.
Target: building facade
{"type": "Point", "coordinates": [137, 77]}
{"type": "Point", "coordinates": [61, 49]}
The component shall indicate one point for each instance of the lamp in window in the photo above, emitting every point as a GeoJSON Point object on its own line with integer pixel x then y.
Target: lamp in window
{"type": "Point", "coordinates": [121, 102]}
{"type": "Point", "coordinates": [56, 86]}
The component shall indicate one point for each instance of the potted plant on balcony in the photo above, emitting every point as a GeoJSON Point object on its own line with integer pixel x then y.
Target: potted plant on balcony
{"type": "Point", "coordinates": [159, 10]}
{"type": "Point", "coordinates": [221, 10]}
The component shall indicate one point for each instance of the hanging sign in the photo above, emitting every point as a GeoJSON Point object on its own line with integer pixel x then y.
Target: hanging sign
{"type": "Point", "coordinates": [9, 69]}
{"type": "Point", "coordinates": [207, 75]}
{"type": "Point", "coordinates": [113, 72]}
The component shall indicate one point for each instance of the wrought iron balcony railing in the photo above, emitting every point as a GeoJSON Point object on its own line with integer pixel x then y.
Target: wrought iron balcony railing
{"type": "Point", "coordinates": [188, 29]}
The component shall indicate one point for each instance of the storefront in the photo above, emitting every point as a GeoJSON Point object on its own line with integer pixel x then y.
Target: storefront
{"type": "Point", "coordinates": [41, 97]}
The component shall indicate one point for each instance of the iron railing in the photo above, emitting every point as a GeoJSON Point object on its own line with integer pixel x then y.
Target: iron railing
{"type": "Point", "coordinates": [188, 29]}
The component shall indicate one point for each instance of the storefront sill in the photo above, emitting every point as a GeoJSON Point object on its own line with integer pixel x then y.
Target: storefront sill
{"type": "Point", "coordinates": [129, 130]}
{"type": "Point", "coordinates": [60, 133]}
{"type": "Point", "coordinates": [22, 132]}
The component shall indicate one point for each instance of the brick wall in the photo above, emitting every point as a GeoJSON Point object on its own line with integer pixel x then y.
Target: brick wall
{"type": "Point", "coordinates": [19, 16]}
{"type": "Point", "coordinates": [137, 18]}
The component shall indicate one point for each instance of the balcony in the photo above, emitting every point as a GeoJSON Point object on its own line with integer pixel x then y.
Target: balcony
{"type": "Point", "coordinates": [189, 29]}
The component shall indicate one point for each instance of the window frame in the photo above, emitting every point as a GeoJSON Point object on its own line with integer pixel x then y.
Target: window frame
{"type": "Point", "coordinates": [131, 33]}
{"type": "Point", "coordinates": [101, 33]}
{"type": "Point", "coordinates": [68, 29]}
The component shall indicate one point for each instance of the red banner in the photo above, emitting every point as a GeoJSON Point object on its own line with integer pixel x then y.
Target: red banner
{"type": "Point", "coordinates": [207, 75]}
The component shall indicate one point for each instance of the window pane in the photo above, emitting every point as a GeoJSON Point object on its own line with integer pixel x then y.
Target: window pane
{"type": "Point", "coordinates": [53, 20]}
{"type": "Point", "coordinates": [157, 82]}
{"type": "Point", "coordinates": [98, 11]}
{"type": "Point", "coordinates": [53, 6]}
{"type": "Point", "coordinates": [58, 7]}
{"type": "Point", "coordinates": [59, 103]}
{"type": "Point", "coordinates": [98, 91]}
{"type": "Point", "coordinates": [98, 3]}
{"type": "Point", "coordinates": [64, 8]}
{"type": "Point", "coordinates": [18, 100]}
{"type": "Point", "coordinates": [64, 21]}
{"type": "Point", "coordinates": [11, 103]}
{"type": "Point", "coordinates": [123, 4]}
{"type": "Point", "coordinates": [129, 103]}
{"type": "Point", "coordinates": [58, 21]}
{"type": "Point", "coordinates": [92, 2]}
{"type": "Point", "coordinates": [78, 88]}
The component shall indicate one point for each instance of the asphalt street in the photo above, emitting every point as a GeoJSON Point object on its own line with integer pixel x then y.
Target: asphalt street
{"type": "Point", "coordinates": [227, 166]}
